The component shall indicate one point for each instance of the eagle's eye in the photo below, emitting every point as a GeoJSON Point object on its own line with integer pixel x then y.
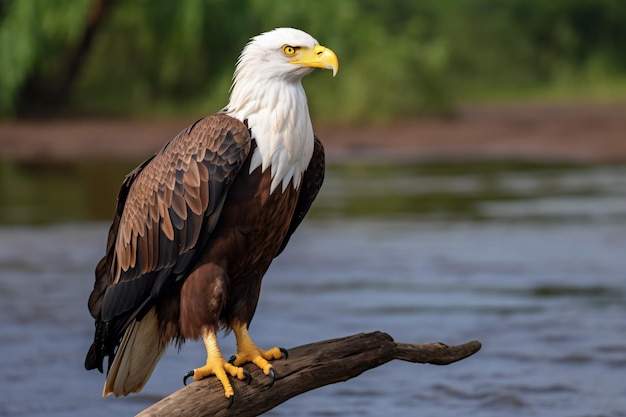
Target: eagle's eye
{"type": "Point", "coordinates": [289, 50]}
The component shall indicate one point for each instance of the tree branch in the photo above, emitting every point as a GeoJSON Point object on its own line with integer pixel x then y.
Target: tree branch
{"type": "Point", "coordinates": [308, 367]}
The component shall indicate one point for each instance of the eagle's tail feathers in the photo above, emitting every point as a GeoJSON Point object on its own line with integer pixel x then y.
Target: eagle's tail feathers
{"type": "Point", "coordinates": [137, 356]}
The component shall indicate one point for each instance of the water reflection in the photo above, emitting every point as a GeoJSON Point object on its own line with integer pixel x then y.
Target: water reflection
{"type": "Point", "coordinates": [35, 193]}
{"type": "Point", "coordinates": [490, 190]}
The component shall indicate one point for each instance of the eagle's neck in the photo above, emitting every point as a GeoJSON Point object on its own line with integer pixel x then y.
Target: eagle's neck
{"type": "Point", "coordinates": [278, 117]}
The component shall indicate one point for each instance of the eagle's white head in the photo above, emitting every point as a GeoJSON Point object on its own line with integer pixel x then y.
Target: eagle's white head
{"type": "Point", "coordinates": [267, 92]}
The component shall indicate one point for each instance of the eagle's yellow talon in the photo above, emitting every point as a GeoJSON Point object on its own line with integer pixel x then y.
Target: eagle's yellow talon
{"type": "Point", "coordinates": [263, 364]}
{"type": "Point", "coordinates": [216, 365]}
{"type": "Point", "coordinates": [247, 351]}
{"type": "Point", "coordinates": [274, 353]}
{"type": "Point", "coordinates": [220, 373]}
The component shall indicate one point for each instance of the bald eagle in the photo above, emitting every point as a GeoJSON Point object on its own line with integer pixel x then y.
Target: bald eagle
{"type": "Point", "coordinates": [197, 225]}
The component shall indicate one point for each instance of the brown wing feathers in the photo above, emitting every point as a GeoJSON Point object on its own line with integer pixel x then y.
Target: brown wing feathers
{"type": "Point", "coordinates": [166, 211]}
{"type": "Point", "coordinates": [104, 276]}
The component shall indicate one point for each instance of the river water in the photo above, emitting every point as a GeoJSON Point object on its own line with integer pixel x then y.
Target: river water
{"type": "Point", "coordinates": [530, 260]}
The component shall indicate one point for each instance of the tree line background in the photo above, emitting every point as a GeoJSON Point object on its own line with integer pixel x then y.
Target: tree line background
{"type": "Point", "coordinates": [398, 58]}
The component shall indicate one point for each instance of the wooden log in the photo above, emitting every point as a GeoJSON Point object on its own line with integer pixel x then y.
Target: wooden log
{"type": "Point", "coordinates": [308, 367]}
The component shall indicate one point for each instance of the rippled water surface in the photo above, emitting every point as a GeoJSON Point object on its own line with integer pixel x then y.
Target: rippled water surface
{"type": "Point", "coordinates": [530, 261]}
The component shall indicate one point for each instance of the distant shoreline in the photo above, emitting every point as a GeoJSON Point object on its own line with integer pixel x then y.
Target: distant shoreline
{"type": "Point", "coordinates": [573, 132]}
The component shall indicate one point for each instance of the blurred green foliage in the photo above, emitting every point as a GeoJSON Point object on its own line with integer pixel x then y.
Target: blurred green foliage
{"type": "Point", "coordinates": [398, 58]}
{"type": "Point", "coordinates": [33, 36]}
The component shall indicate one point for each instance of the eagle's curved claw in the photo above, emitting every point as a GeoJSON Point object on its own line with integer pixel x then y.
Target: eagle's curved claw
{"type": "Point", "coordinates": [285, 352]}
{"type": "Point", "coordinates": [232, 359]}
{"type": "Point", "coordinates": [231, 399]}
{"type": "Point", "coordinates": [272, 375]}
{"type": "Point", "coordinates": [248, 377]}
{"type": "Point", "coordinates": [187, 376]}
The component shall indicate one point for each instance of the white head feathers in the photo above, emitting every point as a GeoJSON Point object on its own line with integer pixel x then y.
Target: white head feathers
{"type": "Point", "coordinates": [268, 93]}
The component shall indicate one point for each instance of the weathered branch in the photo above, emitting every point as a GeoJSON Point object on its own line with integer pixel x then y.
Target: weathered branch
{"type": "Point", "coordinates": [308, 367]}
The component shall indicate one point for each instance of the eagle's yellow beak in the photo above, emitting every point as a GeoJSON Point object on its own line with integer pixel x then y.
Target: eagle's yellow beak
{"type": "Point", "coordinates": [318, 57]}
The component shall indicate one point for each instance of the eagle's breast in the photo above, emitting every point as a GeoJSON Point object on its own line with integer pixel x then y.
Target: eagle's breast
{"type": "Point", "coordinates": [280, 125]}
{"type": "Point", "coordinates": [255, 220]}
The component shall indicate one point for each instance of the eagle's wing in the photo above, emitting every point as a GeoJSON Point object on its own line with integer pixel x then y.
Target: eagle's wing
{"type": "Point", "coordinates": [166, 210]}
{"type": "Point", "coordinates": [311, 183]}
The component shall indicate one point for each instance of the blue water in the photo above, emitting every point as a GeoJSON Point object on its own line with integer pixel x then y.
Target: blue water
{"type": "Point", "coordinates": [540, 281]}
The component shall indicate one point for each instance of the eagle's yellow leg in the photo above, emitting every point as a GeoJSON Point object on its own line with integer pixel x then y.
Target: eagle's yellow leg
{"type": "Point", "coordinates": [216, 365]}
{"type": "Point", "coordinates": [247, 351]}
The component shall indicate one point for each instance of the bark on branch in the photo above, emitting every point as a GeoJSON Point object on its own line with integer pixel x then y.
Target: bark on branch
{"type": "Point", "coordinates": [308, 367]}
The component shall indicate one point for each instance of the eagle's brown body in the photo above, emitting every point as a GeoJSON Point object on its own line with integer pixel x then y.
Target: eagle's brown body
{"type": "Point", "coordinates": [227, 225]}
{"type": "Point", "coordinates": [253, 227]}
